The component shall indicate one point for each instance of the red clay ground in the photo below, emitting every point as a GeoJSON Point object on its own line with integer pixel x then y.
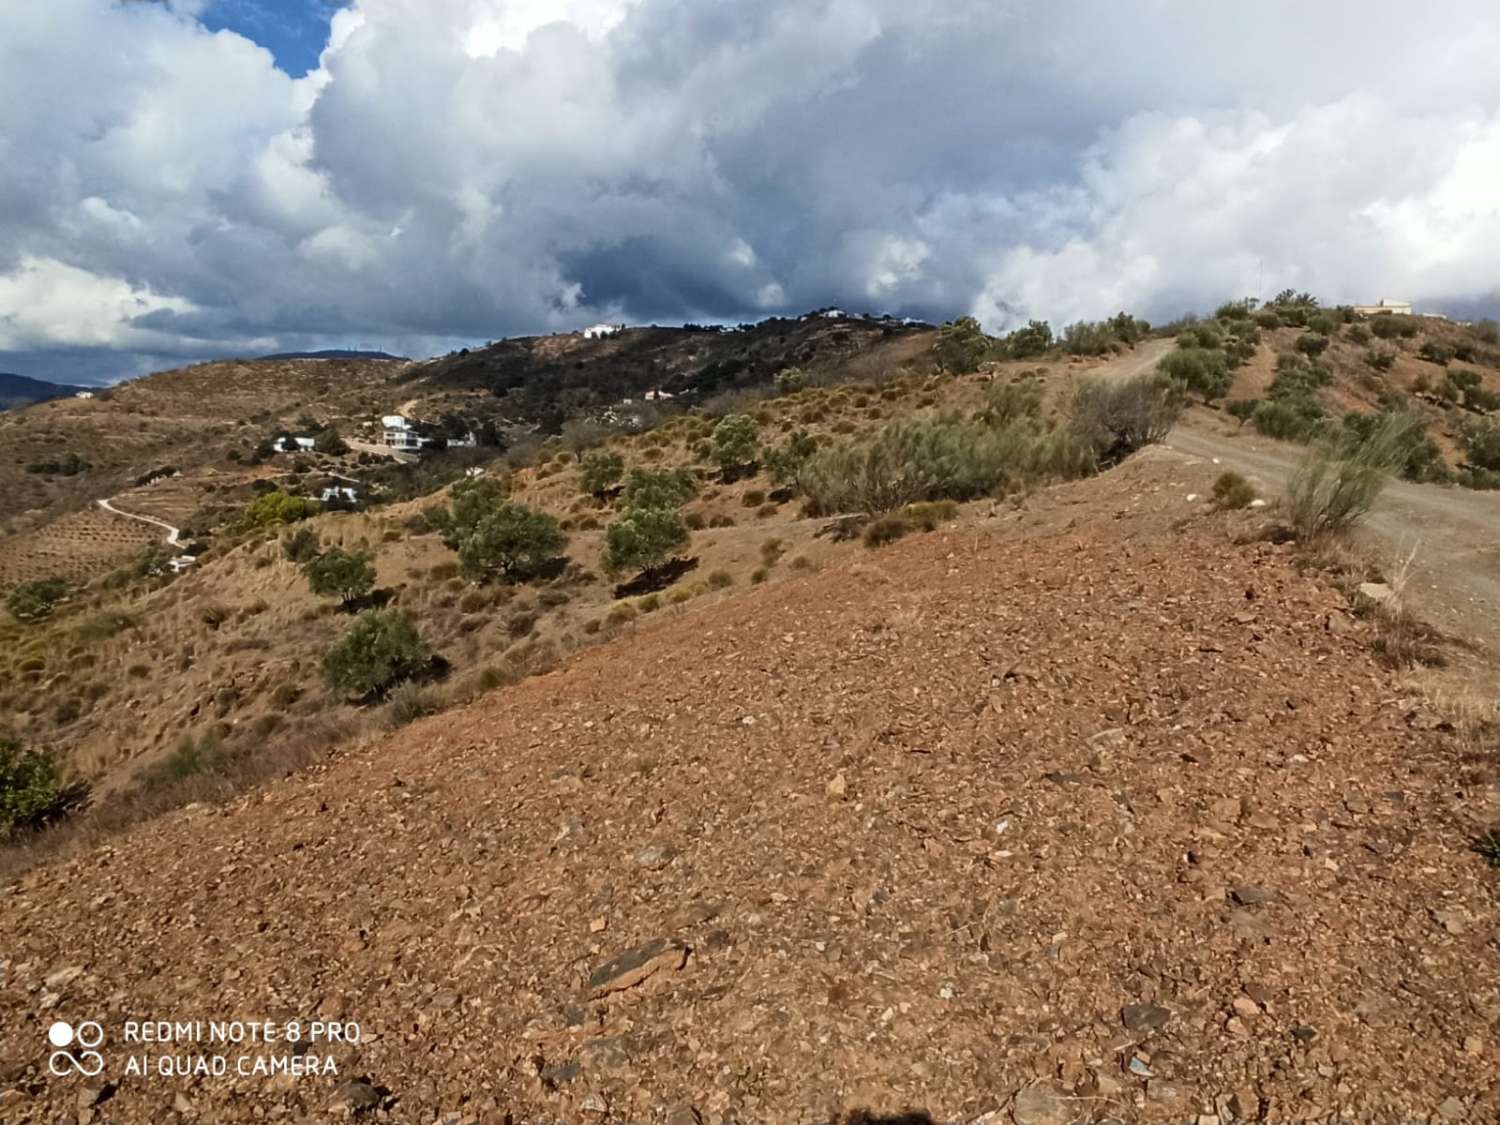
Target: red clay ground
{"type": "Point", "coordinates": [1120, 822]}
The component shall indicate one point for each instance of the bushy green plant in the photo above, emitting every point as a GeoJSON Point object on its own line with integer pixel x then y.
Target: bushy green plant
{"type": "Point", "coordinates": [1387, 326]}
{"type": "Point", "coordinates": [30, 791]}
{"type": "Point", "coordinates": [1027, 343]}
{"type": "Point", "coordinates": [1113, 420]}
{"type": "Point", "coordinates": [601, 471]}
{"type": "Point", "coordinates": [789, 380]}
{"type": "Point", "coordinates": [1434, 352]}
{"type": "Point", "coordinates": [659, 488]}
{"type": "Point", "coordinates": [961, 345]}
{"type": "Point", "coordinates": [1415, 456]}
{"type": "Point", "coordinates": [380, 649]}
{"type": "Point", "coordinates": [1088, 337]}
{"type": "Point", "coordinates": [1005, 403]}
{"type": "Point", "coordinates": [275, 508]}
{"type": "Point", "coordinates": [1482, 444]}
{"type": "Point", "coordinates": [348, 575]}
{"type": "Point", "coordinates": [786, 460]}
{"type": "Point", "coordinates": [327, 440]}
{"type": "Point", "coordinates": [733, 441]}
{"type": "Point", "coordinates": [1381, 361]}
{"type": "Point", "coordinates": [34, 600]}
{"type": "Point", "coordinates": [469, 502]}
{"type": "Point", "coordinates": [1312, 344]}
{"type": "Point", "coordinates": [1202, 371]}
{"type": "Point", "coordinates": [1335, 486]}
{"type": "Point", "coordinates": [512, 541]}
{"type": "Point", "coordinates": [642, 538]}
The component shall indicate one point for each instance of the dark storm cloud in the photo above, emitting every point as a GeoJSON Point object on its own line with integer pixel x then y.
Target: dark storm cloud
{"type": "Point", "coordinates": [466, 169]}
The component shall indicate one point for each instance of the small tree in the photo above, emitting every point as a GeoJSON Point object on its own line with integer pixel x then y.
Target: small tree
{"type": "Point", "coordinates": [347, 574]}
{"type": "Point", "coordinates": [327, 440]}
{"type": "Point", "coordinates": [1029, 342]}
{"type": "Point", "coordinates": [512, 541]}
{"type": "Point", "coordinates": [29, 789]}
{"type": "Point", "coordinates": [469, 502]}
{"type": "Point", "coordinates": [277, 508]}
{"type": "Point", "coordinates": [642, 538]}
{"type": "Point", "coordinates": [960, 346]}
{"type": "Point", "coordinates": [601, 471]}
{"type": "Point", "coordinates": [32, 601]}
{"type": "Point", "coordinates": [382, 648]}
{"type": "Point", "coordinates": [733, 441]}
{"type": "Point", "coordinates": [659, 488]}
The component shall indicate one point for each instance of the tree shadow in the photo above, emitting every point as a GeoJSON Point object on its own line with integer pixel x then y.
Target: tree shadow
{"type": "Point", "coordinates": [867, 1117]}
{"type": "Point", "coordinates": [655, 578]}
{"type": "Point", "coordinates": [375, 599]}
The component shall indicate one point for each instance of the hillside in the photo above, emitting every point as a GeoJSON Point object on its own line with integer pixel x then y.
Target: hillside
{"type": "Point", "coordinates": [22, 390]}
{"type": "Point", "coordinates": [1079, 812]}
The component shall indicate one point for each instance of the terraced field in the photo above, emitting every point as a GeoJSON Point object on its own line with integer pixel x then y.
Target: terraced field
{"type": "Point", "coordinates": [79, 546]}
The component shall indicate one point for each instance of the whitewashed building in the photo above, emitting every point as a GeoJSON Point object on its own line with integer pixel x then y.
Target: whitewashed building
{"type": "Point", "coordinates": [599, 331]}
{"type": "Point", "coordinates": [398, 433]}
{"type": "Point", "coordinates": [1386, 307]}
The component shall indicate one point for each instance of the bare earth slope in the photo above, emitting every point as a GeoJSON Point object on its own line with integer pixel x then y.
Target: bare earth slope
{"type": "Point", "coordinates": [1121, 822]}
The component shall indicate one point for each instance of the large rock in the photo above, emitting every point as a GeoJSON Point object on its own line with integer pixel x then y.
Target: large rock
{"type": "Point", "coordinates": [628, 969]}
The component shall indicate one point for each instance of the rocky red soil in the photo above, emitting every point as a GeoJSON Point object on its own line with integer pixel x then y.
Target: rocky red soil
{"type": "Point", "coordinates": [1123, 822]}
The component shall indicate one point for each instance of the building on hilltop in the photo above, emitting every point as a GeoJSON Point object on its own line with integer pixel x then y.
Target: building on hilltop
{"type": "Point", "coordinates": [1386, 307]}
{"type": "Point", "coordinates": [599, 331]}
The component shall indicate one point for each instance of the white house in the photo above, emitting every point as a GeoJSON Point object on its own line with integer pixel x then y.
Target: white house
{"type": "Point", "coordinates": [181, 563]}
{"type": "Point", "coordinates": [84, 394]}
{"type": "Point", "coordinates": [599, 331]}
{"type": "Point", "coordinates": [658, 396]}
{"type": "Point", "coordinates": [294, 445]}
{"type": "Point", "coordinates": [339, 492]}
{"type": "Point", "coordinates": [1385, 308]}
{"type": "Point", "coordinates": [468, 441]}
{"type": "Point", "coordinates": [399, 434]}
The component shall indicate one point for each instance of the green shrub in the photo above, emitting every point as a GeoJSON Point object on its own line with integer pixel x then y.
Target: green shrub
{"type": "Point", "coordinates": [1088, 337]}
{"type": "Point", "coordinates": [1312, 344]}
{"type": "Point", "coordinates": [348, 575]}
{"type": "Point", "coordinates": [1391, 327]}
{"type": "Point", "coordinates": [327, 440]}
{"type": "Point", "coordinates": [1113, 420]}
{"type": "Point", "coordinates": [382, 648]}
{"type": "Point", "coordinates": [786, 460]}
{"type": "Point", "coordinates": [34, 600]}
{"type": "Point", "coordinates": [1233, 491]}
{"type": "Point", "coordinates": [1027, 343]}
{"type": "Point", "coordinates": [30, 791]}
{"type": "Point", "coordinates": [1289, 419]}
{"type": "Point", "coordinates": [659, 488]}
{"type": "Point", "coordinates": [1381, 361]}
{"type": "Point", "coordinates": [733, 441]}
{"type": "Point", "coordinates": [601, 471]}
{"type": "Point", "coordinates": [1415, 456]}
{"type": "Point", "coordinates": [1335, 486]}
{"type": "Point", "coordinates": [1481, 440]}
{"type": "Point", "coordinates": [1005, 403]}
{"type": "Point", "coordinates": [642, 538]}
{"type": "Point", "coordinates": [511, 541]}
{"type": "Point", "coordinates": [720, 579]}
{"type": "Point", "coordinates": [1433, 352]}
{"type": "Point", "coordinates": [193, 756]}
{"type": "Point", "coordinates": [753, 499]}
{"type": "Point", "coordinates": [276, 508]}
{"type": "Point", "coordinates": [961, 346]}
{"type": "Point", "coordinates": [1201, 371]}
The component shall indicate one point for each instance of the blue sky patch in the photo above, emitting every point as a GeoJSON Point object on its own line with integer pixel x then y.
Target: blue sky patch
{"type": "Point", "coordinates": [294, 31]}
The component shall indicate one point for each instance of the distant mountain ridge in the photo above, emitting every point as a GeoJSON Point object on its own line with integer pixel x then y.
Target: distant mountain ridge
{"type": "Point", "coordinates": [23, 390]}
{"type": "Point", "coordinates": [332, 353]}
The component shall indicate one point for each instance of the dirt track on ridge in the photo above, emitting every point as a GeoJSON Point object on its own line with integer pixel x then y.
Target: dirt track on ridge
{"type": "Point", "coordinates": [1116, 822]}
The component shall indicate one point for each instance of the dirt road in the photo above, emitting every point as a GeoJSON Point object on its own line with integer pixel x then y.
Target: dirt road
{"type": "Point", "coordinates": [174, 535]}
{"type": "Point", "coordinates": [1454, 532]}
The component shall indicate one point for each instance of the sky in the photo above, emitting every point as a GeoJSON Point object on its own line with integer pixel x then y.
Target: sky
{"type": "Point", "coordinates": [190, 179]}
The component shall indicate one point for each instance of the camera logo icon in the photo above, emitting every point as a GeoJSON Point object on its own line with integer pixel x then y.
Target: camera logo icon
{"type": "Point", "coordinates": [75, 1052]}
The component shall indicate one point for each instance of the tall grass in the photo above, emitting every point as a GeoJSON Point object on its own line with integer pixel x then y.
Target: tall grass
{"type": "Point", "coordinates": [1334, 487]}
{"type": "Point", "coordinates": [1005, 446]}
